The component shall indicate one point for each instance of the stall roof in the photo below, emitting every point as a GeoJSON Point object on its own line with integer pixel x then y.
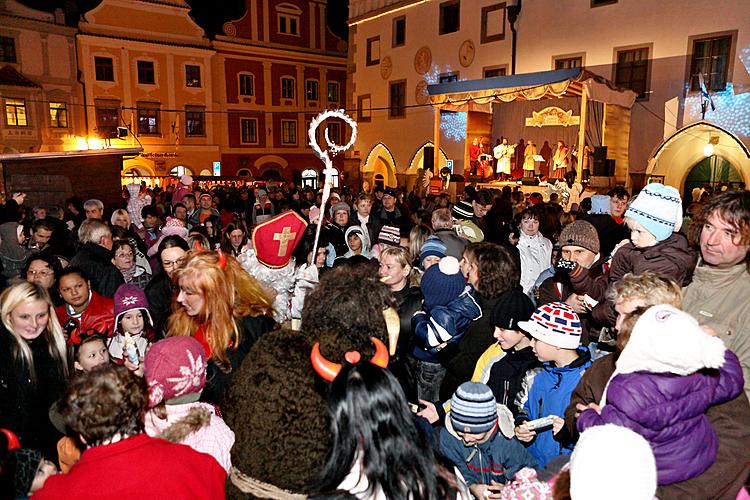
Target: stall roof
{"type": "Point", "coordinates": [478, 95]}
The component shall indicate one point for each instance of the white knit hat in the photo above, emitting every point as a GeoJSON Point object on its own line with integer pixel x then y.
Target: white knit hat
{"type": "Point", "coordinates": [630, 470]}
{"type": "Point", "coordinates": [667, 340]}
{"type": "Point", "coordinates": [658, 208]}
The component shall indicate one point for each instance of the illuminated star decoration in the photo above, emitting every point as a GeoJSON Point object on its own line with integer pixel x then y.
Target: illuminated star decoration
{"type": "Point", "coordinates": [334, 149]}
{"type": "Point", "coordinates": [452, 124]}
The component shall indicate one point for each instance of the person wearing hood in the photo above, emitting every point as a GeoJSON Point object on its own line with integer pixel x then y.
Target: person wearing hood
{"type": "Point", "coordinates": [337, 226]}
{"type": "Point", "coordinates": [13, 254]}
{"type": "Point", "coordinates": [358, 242]}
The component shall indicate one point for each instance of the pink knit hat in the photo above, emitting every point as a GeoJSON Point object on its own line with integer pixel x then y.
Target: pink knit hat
{"type": "Point", "coordinates": [526, 486]}
{"type": "Point", "coordinates": [174, 367]}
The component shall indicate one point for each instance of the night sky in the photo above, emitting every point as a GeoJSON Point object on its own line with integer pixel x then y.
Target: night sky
{"type": "Point", "coordinates": [209, 14]}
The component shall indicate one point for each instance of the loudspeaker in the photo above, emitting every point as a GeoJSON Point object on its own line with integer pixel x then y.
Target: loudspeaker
{"type": "Point", "coordinates": [428, 160]}
{"type": "Point", "coordinates": [600, 161]}
{"type": "Point", "coordinates": [600, 153]}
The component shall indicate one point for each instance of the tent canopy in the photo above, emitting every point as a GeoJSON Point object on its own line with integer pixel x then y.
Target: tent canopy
{"type": "Point", "coordinates": [478, 95]}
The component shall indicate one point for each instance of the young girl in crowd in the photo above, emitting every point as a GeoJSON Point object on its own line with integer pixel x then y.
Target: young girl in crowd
{"type": "Point", "coordinates": [175, 371]}
{"type": "Point", "coordinates": [133, 330]}
{"type": "Point", "coordinates": [88, 350]}
{"type": "Point", "coordinates": [668, 374]}
{"type": "Point", "coordinates": [534, 248]}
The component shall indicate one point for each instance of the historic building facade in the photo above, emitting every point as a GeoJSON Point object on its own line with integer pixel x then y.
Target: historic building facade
{"type": "Point", "coordinates": [275, 69]}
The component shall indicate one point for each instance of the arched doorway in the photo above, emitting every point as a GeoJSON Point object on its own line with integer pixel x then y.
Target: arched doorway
{"type": "Point", "coordinates": [380, 162]}
{"type": "Point", "coordinates": [687, 149]}
{"type": "Point", "coordinates": [180, 170]}
{"type": "Point", "coordinates": [271, 174]}
{"type": "Point", "coordinates": [711, 172]}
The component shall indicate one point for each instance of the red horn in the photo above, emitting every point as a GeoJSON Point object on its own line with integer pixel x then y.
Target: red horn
{"type": "Point", "coordinates": [13, 443]}
{"type": "Point", "coordinates": [326, 369]}
{"type": "Point", "coordinates": [381, 353]}
{"type": "Point", "coordinates": [222, 259]}
{"type": "Point", "coordinates": [199, 246]}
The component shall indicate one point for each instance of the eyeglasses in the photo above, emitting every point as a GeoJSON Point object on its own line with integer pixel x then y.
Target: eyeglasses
{"type": "Point", "coordinates": [172, 263]}
{"type": "Point", "coordinates": [120, 255]}
{"type": "Point", "coordinates": [42, 273]}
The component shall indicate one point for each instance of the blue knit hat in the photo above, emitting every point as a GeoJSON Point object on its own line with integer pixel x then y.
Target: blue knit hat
{"type": "Point", "coordinates": [658, 208]}
{"type": "Point", "coordinates": [433, 246]}
{"type": "Point", "coordinates": [442, 283]}
{"type": "Point", "coordinates": [473, 408]}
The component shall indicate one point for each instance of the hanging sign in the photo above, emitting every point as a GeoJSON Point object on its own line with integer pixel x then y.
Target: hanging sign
{"type": "Point", "coordinates": [552, 116]}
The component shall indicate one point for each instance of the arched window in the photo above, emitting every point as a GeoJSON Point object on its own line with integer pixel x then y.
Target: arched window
{"type": "Point", "coordinates": [287, 19]}
{"type": "Point", "coordinates": [309, 179]}
{"type": "Point", "coordinates": [180, 170]}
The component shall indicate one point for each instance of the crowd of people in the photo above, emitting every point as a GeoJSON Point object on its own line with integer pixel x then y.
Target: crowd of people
{"type": "Point", "coordinates": [195, 343]}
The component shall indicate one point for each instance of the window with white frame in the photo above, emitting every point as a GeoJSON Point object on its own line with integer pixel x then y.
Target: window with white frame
{"type": "Point", "coordinates": [289, 132]}
{"type": "Point", "coordinates": [247, 84]}
{"type": "Point", "coordinates": [148, 118]}
{"type": "Point", "coordinates": [312, 90]}
{"type": "Point", "coordinates": [249, 130]}
{"type": "Point", "coordinates": [287, 19]}
{"type": "Point", "coordinates": [287, 87]}
{"type": "Point", "coordinates": [15, 112]}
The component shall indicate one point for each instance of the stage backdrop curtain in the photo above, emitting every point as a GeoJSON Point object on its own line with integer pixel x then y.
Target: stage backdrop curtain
{"type": "Point", "coordinates": [509, 120]}
{"type": "Point", "coordinates": [594, 119]}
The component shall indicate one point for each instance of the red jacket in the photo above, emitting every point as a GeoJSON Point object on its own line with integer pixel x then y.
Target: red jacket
{"type": "Point", "coordinates": [99, 315]}
{"type": "Point", "coordinates": [139, 467]}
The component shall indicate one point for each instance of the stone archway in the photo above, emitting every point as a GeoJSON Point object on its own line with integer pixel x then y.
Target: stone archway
{"type": "Point", "coordinates": [678, 156]}
{"type": "Point", "coordinates": [380, 161]}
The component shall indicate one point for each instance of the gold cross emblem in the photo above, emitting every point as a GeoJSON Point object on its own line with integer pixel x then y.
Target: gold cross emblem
{"type": "Point", "coordinates": [284, 237]}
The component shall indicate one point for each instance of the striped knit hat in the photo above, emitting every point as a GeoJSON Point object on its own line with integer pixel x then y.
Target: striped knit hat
{"type": "Point", "coordinates": [432, 246]}
{"type": "Point", "coordinates": [556, 324]}
{"type": "Point", "coordinates": [463, 210]}
{"type": "Point", "coordinates": [658, 208]}
{"type": "Point", "coordinates": [390, 236]}
{"type": "Point", "coordinates": [473, 408]}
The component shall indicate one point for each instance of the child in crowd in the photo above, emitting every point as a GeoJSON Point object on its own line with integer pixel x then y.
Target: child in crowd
{"type": "Point", "coordinates": [88, 350]}
{"type": "Point", "coordinates": [175, 371]}
{"type": "Point", "coordinates": [432, 250]}
{"type": "Point", "coordinates": [358, 242]}
{"type": "Point", "coordinates": [448, 309]}
{"type": "Point", "coordinates": [477, 443]}
{"type": "Point", "coordinates": [556, 331]}
{"type": "Point", "coordinates": [504, 365]}
{"type": "Point", "coordinates": [666, 377]}
{"type": "Point", "coordinates": [23, 472]}
{"type": "Point", "coordinates": [653, 217]}
{"type": "Point", "coordinates": [535, 249]}
{"type": "Point", "coordinates": [133, 327]}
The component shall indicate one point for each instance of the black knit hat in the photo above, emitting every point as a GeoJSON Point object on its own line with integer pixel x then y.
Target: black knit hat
{"type": "Point", "coordinates": [26, 464]}
{"type": "Point", "coordinates": [511, 308]}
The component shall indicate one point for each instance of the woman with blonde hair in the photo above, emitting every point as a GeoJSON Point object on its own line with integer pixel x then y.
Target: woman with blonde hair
{"type": "Point", "coordinates": [33, 365]}
{"type": "Point", "coordinates": [223, 308]}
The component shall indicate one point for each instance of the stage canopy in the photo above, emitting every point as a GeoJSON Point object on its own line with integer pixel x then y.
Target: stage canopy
{"type": "Point", "coordinates": [479, 95]}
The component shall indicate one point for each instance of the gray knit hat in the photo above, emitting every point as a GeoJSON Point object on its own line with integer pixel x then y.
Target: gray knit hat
{"type": "Point", "coordinates": [580, 234]}
{"type": "Point", "coordinates": [473, 408]}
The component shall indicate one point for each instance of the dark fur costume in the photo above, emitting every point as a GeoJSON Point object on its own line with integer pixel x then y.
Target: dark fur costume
{"type": "Point", "coordinates": [276, 403]}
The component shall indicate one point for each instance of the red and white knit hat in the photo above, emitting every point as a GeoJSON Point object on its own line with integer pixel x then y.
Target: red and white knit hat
{"type": "Point", "coordinates": [174, 367]}
{"type": "Point", "coordinates": [526, 486]}
{"type": "Point", "coordinates": [556, 324]}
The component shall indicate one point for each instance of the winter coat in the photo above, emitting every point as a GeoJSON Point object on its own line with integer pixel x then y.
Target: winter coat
{"type": "Point", "coordinates": [397, 218]}
{"type": "Point", "coordinates": [12, 255]}
{"type": "Point", "coordinates": [454, 244]}
{"type": "Point", "coordinates": [159, 293]}
{"type": "Point", "coordinates": [549, 390]}
{"type": "Point", "coordinates": [196, 425]}
{"type": "Point", "coordinates": [336, 237]}
{"type": "Point", "coordinates": [669, 411]}
{"type": "Point", "coordinates": [98, 315]}
{"type": "Point", "coordinates": [363, 236]}
{"type": "Point", "coordinates": [719, 298]}
{"type": "Point", "coordinates": [251, 328]}
{"type": "Point", "coordinates": [609, 230]}
{"type": "Point", "coordinates": [460, 358]}
{"type": "Point", "coordinates": [408, 302]}
{"type": "Point", "coordinates": [497, 459]}
{"type": "Point", "coordinates": [507, 373]}
{"type": "Point", "coordinates": [536, 255]}
{"type": "Point", "coordinates": [96, 262]}
{"type": "Point", "coordinates": [672, 258]}
{"type": "Point", "coordinates": [371, 225]}
{"type": "Point", "coordinates": [443, 324]}
{"type": "Point", "coordinates": [724, 478]}
{"type": "Point", "coordinates": [139, 467]}
{"type": "Point", "coordinates": [150, 236]}
{"type": "Point", "coordinates": [24, 405]}
{"type": "Point", "coordinates": [180, 193]}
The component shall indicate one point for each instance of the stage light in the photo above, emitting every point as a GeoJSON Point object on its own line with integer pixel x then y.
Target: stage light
{"type": "Point", "coordinates": [708, 150]}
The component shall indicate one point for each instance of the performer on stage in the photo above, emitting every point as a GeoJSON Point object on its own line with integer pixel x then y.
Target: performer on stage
{"type": "Point", "coordinates": [502, 153]}
{"type": "Point", "coordinates": [560, 161]}
{"type": "Point", "coordinates": [528, 159]}
{"type": "Point", "coordinates": [474, 151]}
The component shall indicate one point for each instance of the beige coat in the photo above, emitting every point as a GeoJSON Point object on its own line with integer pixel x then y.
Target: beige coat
{"type": "Point", "coordinates": [720, 299]}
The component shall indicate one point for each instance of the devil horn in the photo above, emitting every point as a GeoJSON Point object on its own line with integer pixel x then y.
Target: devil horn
{"type": "Point", "coordinates": [381, 353]}
{"type": "Point", "coordinates": [326, 369]}
{"type": "Point", "coordinates": [222, 259]}
{"type": "Point", "coordinates": [199, 246]}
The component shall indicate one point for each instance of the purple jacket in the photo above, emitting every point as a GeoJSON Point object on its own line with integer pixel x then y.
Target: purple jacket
{"type": "Point", "coordinates": [669, 412]}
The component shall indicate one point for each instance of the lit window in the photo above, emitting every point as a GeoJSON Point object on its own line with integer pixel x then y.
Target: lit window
{"type": "Point", "coordinates": [711, 57]}
{"type": "Point", "coordinates": [247, 84]}
{"type": "Point", "coordinates": [311, 87]}
{"type": "Point", "coordinates": [15, 113]}
{"type": "Point", "coordinates": [287, 88]}
{"type": "Point", "coordinates": [58, 114]}
{"type": "Point", "coordinates": [248, 130]}
{"type": "Point", "coordinates": [7, 49]}
{"type": "Point", "coordinates": [333, 91]}
{"type": "Point", "coordinates": [288, 132]}
{"type": "Point", "coordinates": [195, 118]}
{"type": "Point", "coordinates": [146, 75]}
{"type": "Point", "coordinates": [192, 75]}
{"type": "Point", "coordinates": [148, 118]}
{"type": "Point", "coordinates": [104, 69]}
